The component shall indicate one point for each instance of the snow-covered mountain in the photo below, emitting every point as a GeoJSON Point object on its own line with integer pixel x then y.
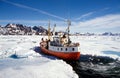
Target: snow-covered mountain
{"type": "Point", "coordinates": [101, 34]}
{"type": "Point", "coordinates": [110, 34]}
{"type": "Point", "coordinates": [19, 29]}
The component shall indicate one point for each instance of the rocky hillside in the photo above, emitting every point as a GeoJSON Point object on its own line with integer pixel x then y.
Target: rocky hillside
{"type": "Point", "coordinates": [19, 29]}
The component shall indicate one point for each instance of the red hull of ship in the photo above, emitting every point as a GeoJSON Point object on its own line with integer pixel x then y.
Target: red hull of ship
{"type": "Point", "coordinates": [62, 55]}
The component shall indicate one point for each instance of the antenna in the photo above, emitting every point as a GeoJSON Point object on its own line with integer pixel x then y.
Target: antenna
{"type": "Point", "coordinates": [49, 33]}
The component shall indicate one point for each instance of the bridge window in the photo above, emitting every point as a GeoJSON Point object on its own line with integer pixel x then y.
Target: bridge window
{"type": "Point", "coordinates": [73, 49]}
{"type": "Point", "coordinates": [57, 48]}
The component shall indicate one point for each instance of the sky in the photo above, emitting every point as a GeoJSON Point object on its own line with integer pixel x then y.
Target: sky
{"type": "Point", "coordinates": [85, 15]}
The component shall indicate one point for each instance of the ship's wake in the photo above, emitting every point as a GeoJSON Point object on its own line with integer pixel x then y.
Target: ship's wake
{"type": "Point", "coordinates": [96, 66]}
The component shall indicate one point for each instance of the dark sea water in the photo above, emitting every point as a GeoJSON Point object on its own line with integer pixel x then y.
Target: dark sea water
{"type": "Point", "coordinates": [89, 66]}
{"type": "Point", "coordinates": [96, 67]}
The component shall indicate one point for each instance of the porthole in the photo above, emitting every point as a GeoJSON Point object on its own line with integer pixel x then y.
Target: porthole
{"type": "Point", "coordinates": [73, 49]}
{"type": "Point", "coordinates": [61, 49]}
{"type": "Point", "coordinates": [66, 49]}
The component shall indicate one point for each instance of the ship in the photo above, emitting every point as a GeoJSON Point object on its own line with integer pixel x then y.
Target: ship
{"type": "Point", "coordinates": [59, 44]}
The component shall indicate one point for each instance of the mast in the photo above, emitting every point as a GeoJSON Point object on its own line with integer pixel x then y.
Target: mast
{"type": "Point", "coordinates": [54, 30]}
{"type": "Point", "coordinates": [49, 33]}
{"type": "Point", "coordinates": [68, 31]}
